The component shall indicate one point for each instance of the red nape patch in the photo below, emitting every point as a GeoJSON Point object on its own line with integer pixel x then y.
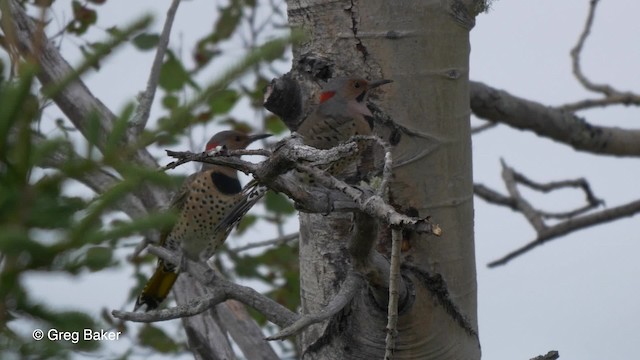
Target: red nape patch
{"type": "Point", "coordinates": [211, 146]}
{"type": "Point", "coordinates": [324, 96]}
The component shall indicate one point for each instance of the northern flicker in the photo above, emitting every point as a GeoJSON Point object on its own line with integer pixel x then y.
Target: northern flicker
{"type": "Point", "coordinates": [204, 200]}
{"type": "Point", "coordinates": [342, 113]}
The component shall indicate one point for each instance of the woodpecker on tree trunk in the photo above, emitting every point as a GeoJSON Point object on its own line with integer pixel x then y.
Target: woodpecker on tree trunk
{"type": "Point", "coordinates": [342, 113]}
{"type": "Point", "coordinates": [204, 200]}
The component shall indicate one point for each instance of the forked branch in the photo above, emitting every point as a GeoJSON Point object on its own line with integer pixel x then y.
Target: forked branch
{"type": "Point", "coordinates": [224, 290]}
{"type": "Point", "coordinates": [611, 95]}
{"type": "Point", "coordinates": [571, 220]}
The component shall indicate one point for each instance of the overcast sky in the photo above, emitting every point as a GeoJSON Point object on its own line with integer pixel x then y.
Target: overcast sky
{"type": "Point", "coordinates": [578, 294]}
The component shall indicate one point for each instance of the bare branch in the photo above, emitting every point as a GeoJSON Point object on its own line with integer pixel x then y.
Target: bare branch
{"type": "Point", "coordinates": [367, 261]}
{"type": "Point", "coordinates": [141, 116]}
{"type": "Point", "coordinates": [194, 307]}
{"type": "Point", "coordinates": [228, 158]}
{"type": "Point", "coordinates": [611, 96]}
{"type": "Point", "coordinates": [373, 205]}
{"type": "Point", "coordinates": [351, 285]}
{"type": "Point", "coordinates": [575, 55]}
{"type": "Point", "coordinates": [281, 240]}
{"type": "Point", "coordinates": [571, 219]}
{"type": "Point", "coordinates": [494, 197]}
{"type": "Point", "coordinates": [394, 279]}
{"type": "Point", "coordinates": [592, 200]}
{"type": "Point", "coordinates": [551, 355]}
{"type": "Point", "coordinates": [486, 126]}
{"type": "Point", "coordinates": [523, 206]}
{"type": "Point", "coordinates": [572, 225]}
{"type": "Point", "coordinates": [223, 290]}
{"type": "Point", "coordinates": [499, 106]}
{"type": "Point", "coordinates": [626, 99]}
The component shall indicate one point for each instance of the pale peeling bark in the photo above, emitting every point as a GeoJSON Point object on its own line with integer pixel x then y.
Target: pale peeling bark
{"type": "Point", "coordinates": [424, 47]}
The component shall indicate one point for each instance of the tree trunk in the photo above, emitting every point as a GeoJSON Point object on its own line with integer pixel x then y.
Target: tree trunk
{"type": "Point", "coordinates": [424, 47]}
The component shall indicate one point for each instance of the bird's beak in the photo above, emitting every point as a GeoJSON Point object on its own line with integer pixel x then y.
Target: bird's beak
{"type": "Point", "coordinates": [376, 83]}
{"type": "Point", "coordinates": [252, 138]}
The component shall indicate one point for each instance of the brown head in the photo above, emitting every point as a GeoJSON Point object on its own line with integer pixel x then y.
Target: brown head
{"type": "Point", "coordinates": [231, 140]}
{"type": "Point", "coordinates": [340, 94]}
{"type": "Point", "coordinates": [349, 89]}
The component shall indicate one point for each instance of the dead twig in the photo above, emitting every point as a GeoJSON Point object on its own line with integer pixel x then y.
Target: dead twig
{"type": "Point", "coordinates": [281, 240]}
{"type": "Point", "coordinates": [224, 289]}
{"type": "Point", "coordinates": [394, 278]}
{"type": "Point", "coordinates": [611, 95]}
{"type": "Point", "coordinates": [572, 220]}
{"type": "Point", "coordinates": [145, 100]}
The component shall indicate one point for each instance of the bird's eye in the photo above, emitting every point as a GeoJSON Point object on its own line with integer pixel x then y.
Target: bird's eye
{"type": "Point", "coordinates": [356, 85]}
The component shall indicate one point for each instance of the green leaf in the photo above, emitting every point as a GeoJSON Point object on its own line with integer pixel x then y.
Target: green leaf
{"type": "Point", "coordinates": [155, 338]}
{"type": "Point", "coordinates": [278, 203]}
{"type": "Point", "coordinates": [256, 94]}
{"type": "Point", "coordinates": [170, 102]}
{"type": "Point", "coordinates": [228, 21]}
{"type": "Point", "coordinates": [14, 241]}
{"type": "Point", "coordinates": [146, 41]}
{"type": "Point", "coordinates": [274, 125]}
{"type": "Point", "coordinates": [222, 102]}
{"type": "Point", "coordinates": [173, 75]}
{"type": "Point", "coordinates": [72, 321]}
{"type": "Point", "coordinates": [83, 17]}
{"type": "Point", "coordinates": [50, 211]}
{"type": "Point", "coordinates": [274, 49]}
{"type": "Point", "coordinates": [92, 133]}
{"type": "Point", "coordinates": [76, 321]}
{"type": "Point", "coordinates": [16, 104]}
{"type": "Point", "coordinates": [116, 140]}
{"type": "Point", "coordinates": [203, 54]}
{"type": "Point", "coordinates": [98, 257]}
{"type": "Point", "coordinates": [245, 223]}
{"type": "Point", "coordinates": [153, 221]}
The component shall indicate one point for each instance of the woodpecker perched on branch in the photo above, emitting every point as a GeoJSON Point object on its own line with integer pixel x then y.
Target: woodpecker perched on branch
{"type": "Point", "coordinates": [204, 200]}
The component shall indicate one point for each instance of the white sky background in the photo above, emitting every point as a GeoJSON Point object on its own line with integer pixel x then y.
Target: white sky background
{"type": "Point", "coordinates": [578, 294]}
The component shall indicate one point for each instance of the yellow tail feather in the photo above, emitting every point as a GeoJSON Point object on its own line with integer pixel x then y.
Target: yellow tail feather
{"type": "Point", "coordinates": [157, 288]}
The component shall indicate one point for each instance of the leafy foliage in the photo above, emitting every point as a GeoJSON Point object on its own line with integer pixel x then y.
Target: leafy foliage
{"type": "Point", "coordinates": [46, 230]}
{"type": "Point", "coordinates": [157, 339]}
